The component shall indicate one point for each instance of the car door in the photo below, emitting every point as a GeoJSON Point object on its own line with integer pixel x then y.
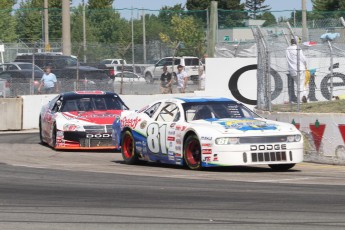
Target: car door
{"type": "Point", "coordinates": [161, 138]}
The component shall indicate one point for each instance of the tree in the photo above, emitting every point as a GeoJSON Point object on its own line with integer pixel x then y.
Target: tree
{"type": "Point", "coordinates": [231, 12]}
{"type": "Point", "coordinates": [327, 9]}
{"type": "Point", "coordinates": [166, 13]}
{"type": "Point", "coordinates": [269, 18]}
{"type": "Point", "coordinates": [256, 7]}
{"type": "Point", "coordinates": [185, 33]}
{"type": "Point", "coordinates": [7, 21]}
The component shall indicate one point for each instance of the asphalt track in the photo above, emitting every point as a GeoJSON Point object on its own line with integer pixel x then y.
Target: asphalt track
{"type": "Point", "coordinates": [45, 189]}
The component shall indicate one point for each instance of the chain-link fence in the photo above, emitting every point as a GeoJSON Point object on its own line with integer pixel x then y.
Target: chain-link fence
{"type": "Point", "coordinates": [323, 50]}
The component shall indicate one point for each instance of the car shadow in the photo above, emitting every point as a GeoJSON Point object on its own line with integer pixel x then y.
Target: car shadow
{"type": "Point", "coordinates": [246, 169]}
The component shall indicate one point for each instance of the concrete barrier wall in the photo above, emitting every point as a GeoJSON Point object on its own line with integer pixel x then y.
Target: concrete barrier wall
{"type": "Point", "coordinates": [11, 113]}
{"type": "Point", "coordinates": [324, 134]}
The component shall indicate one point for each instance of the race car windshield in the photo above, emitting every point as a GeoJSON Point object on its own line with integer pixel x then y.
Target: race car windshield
{"type": "Point", "coordinates": [92, 103]}
{"type": "Point", "coordinates": [216, 110]}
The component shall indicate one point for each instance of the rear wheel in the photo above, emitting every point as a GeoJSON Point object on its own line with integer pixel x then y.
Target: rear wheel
{"type": "Point", "coordinates": [192, 152]}
{"type": "Point", "coordinates": [281, 167]}
{"type": "Point", "coordinates": [129, 154]}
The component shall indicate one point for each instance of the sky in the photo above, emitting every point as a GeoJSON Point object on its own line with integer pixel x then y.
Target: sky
{"type": "Point", "coordinates": [276, 5]}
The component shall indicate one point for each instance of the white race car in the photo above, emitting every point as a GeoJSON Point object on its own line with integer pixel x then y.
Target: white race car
{"type": "Point", "coordinates": [206, 132]}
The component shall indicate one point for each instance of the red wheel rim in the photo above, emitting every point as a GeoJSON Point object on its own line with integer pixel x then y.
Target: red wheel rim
{"type": "Point", "coordinates": [193, 152]}
{"type": "Point", "coordinates": [128, 146]}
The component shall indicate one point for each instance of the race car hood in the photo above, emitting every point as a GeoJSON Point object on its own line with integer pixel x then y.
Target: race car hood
{"type": "Point", "coordinates": [91, 117]}
{"type": "Point", "coordinates": [245, 125]}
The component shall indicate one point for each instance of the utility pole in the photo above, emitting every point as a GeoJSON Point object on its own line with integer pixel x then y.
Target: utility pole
{"type": "Point", "coordinates": [132, 39]}
{"type": "Point", "coordinates": [46, 27]}
{"type": "Point", "coordinates": [213, 29]}
{"type": "Point", "coordinates": [144, 37]}
{"type": "Point", "coordinates": [66, 28]}
{"type": "Point", "coordinates": [84, 32]}
{"type": "Point", "coordinates": [304, 21]}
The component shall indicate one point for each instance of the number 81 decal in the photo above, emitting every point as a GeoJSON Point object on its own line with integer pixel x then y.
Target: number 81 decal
{"type": "Point", "coordinates": [156, 138]}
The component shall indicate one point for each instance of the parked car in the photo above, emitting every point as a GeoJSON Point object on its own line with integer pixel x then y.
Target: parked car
{"type": "Point", "coordinates": [80, 120]}
{"type": "Point", "coordinates": [20, 82]}
{"type": "Point", "coordinates": [191, 66]}
{"type": "Point", "coordinates": [207, 132]}
{"type": "Point", "coordinates": [128, 77]}
{"type": "Point", "coordinates": [105, 63]}
{"type": "Point", "coordinates": [63, 66]}
{"type": "Point", "coordinates": [18, 66]}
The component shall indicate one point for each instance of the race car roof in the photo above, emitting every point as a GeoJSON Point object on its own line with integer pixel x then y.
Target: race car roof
{"type": "Point", "coordinates": [204, 99]}
{"type": "Point", "coordinates": [74, 94]}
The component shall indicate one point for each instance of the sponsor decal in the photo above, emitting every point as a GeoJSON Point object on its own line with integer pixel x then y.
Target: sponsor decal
{"type": "Point", "coordinates": [171, 158]}
{"type": "Point", "coordinates": [178, 141]}
{"type": "Point", "coordinates": [170, 144]}
{"type": "Point", "coordinates": [70, 127]}
{"type": "Point", "coordinates": [206, 145]}
{"type": "Point", "coordinates": [144, 143]}
{"type": "Point", "coordinates": [178, 155]}
{"type": "Point", "coordinates": [171, 132]}
{"type": "Point", "coordinates": [178, 148]}
{"type": "Point", "coordinates": [59, 134]}
{"type": "Point", "coordinates": [268, 147]}
{"type": "Point", "coordinates": [170, 153]}
{"type": "Point", "coordinates": [203, 138]}
{"type": "Point", "coordinates": [206, 151]}
{"type": "Point", "coordinates": [98, 135]}
{"type": "Point", "coordinates": [143, 124]}
{"type": "Point", "coordinates": [170, 138]}
{"type": "Point", "coordinates": [172, 125]}
{"type": "Point", "coordinates": [317, 131]}
{"type": "Point", "coordinates": [215, 157]}
{"type": "Point", "coordinates": [207, 159]}
{"type": "Point", "coordinates": [131, 122]}
{"type": "Point", "coordinates": [178, 135]}
{"type": "Point", "coordinates": [183, 128]}
{"type": "Point", "coordinates": [247, 124]}
{"type": "Point", "coordinates": [178, 161]}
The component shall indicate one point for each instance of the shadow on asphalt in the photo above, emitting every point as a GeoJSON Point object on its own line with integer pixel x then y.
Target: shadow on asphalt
{"type": "Point", "coordinates": [247, 169]}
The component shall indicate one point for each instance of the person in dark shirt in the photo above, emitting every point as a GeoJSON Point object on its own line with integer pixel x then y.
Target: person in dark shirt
{"type": "Point", "coordinates": [166, 81]}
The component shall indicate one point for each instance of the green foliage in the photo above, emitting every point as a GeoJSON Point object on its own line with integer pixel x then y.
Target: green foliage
{"type": "Point", "coordinates": [256, 7]}
{"type": "Point", "coordinates": [186, 32]}
{"type": "Point", "coordinates": [7, 22]}
{"type": "Point", "coordinates": [269, 18]}
{"type": "Point", "coordinates": [328, 8]}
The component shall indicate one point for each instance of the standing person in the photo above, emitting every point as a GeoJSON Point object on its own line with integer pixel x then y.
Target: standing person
{"type": "Point", "coordinates": [166, 81]}
{"type": "Point", "coordinates": [291, 56]}
{"type": "Point", "coordinates": [202, 77]}
{"type": "Point", "coordinates": [48, 81]}
{"type": "Point", "coordinates": [182, 78]}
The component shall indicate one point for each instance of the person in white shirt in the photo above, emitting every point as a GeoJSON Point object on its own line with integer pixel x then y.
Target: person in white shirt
{"type": "Point", "coordinates": [291, 56]}
{"type": "Point", "coordinates": [48, 82]}
{"type": "Point", "coordinates": [182, 78]}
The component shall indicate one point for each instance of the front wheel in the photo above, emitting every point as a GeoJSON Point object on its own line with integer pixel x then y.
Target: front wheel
{"type": "Point", "coordinates": [54, 137]}
{"type": "Point", "coordinates": [148, 78]}
{"type": "Point", "coordinates": [129, 154]}
{"type": "Point", "coordinates": [192, 152]}
{"type": "Point", "coordinates": [40, 129]}
{"type": "Point", "coordinates": [281, 167]}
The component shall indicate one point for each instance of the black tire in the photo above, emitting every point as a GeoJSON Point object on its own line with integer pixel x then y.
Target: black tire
{"type": "Point", "coordinates": [148, 78]}
{"type": "Point", "coordinates": [192, 152]}
{"type": "Point", "coordinates": [54, 137]}
{"type": "Point", "coordinates": [281, 167]}
{"type": "Point", "coordinates": [40, 129]}
{"type": "Point", "coordinates": [129, 154]}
